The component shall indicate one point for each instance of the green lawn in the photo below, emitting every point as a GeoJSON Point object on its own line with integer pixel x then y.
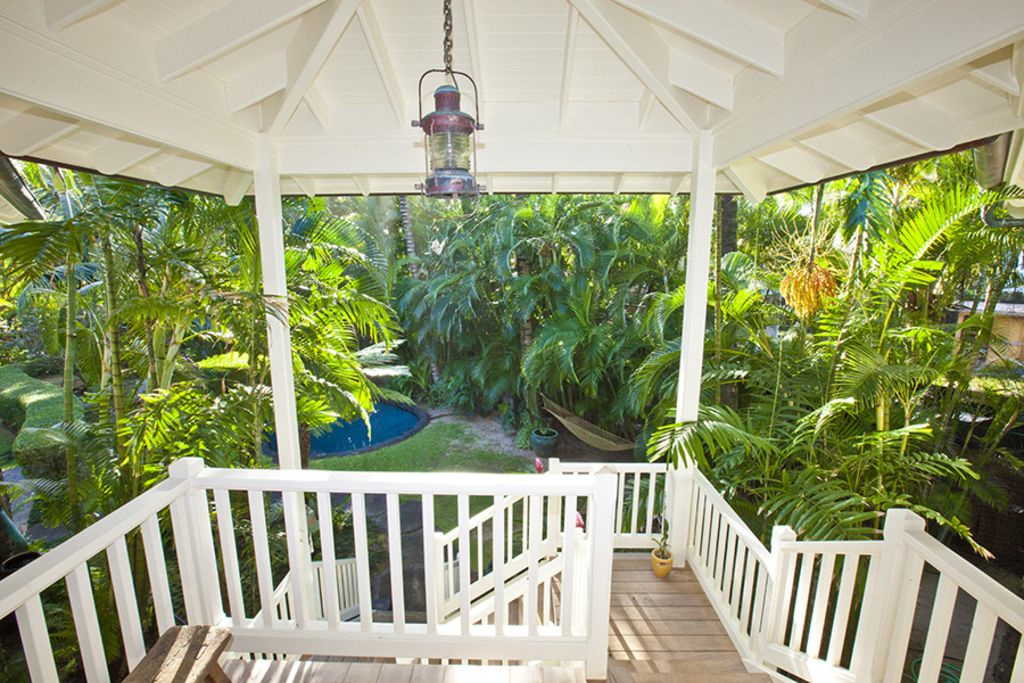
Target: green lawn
{"type": "Point", "coordinates": [439, 447]}
{"type": "Point", "coordinates": [29, 402]}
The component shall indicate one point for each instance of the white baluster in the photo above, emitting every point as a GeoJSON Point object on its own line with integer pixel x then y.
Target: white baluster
{"type": "Point", "coordinates": [229, 553]}
{"type": "Point", "coordinates": [261, 553]}
{"type": "Point", "coordinates": [362, 562]}
{"type": "Point", "coordinates": [123, 583]}
{"type": "Point", "coordinates": [395, 563]}
{"type": "Point", "coordinates": [87, 625]}
{"type": "Point", "coordinates": [328, 559]}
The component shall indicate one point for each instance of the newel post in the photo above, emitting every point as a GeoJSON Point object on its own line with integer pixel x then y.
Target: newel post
{"type": "Point", "coordinates": [890, 597]}
{"type": "Point", "coordinates": [601, 533]}
{"type": "Point", "coordinates": [679, 483]}
{"type": "Point", "coordinates": [193, 545]}
{"type": "Point", "coordinates": [553, 537]}
{"type": "Point", "coordinates": [778, 594]}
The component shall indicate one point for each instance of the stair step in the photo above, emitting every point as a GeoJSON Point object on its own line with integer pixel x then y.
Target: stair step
{"type": "Point", "coordinates": [704, 669]}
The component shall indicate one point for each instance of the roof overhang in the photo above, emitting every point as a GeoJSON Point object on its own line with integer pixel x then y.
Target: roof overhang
{"type": "Point", "coordinates": [577, 95]}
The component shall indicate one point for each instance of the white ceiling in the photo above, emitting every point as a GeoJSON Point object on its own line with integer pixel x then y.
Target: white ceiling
{"type": "Point", "coordinates": [577, 95]}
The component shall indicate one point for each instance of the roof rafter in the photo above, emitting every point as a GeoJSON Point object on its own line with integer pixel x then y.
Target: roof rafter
{"type": "Point", "coordinates": [119, 155]}
{"type": "Point", "coordinates": [61, 14]}
{"type": "Point", "coordinates": [748, 179]}
{"type": "Point", "coordinates": [256, 84]}
{"type": "Point", "coordinates": [920, 123]}
{"type": "Point", "coordinates": [318, 33]}
{"type": "Point", "coordinates": [221, 31]}
{"type": "Point", "coordinates": [881, 57]}
{"type": "Point", "coordinates": [28, 132]}
{"type": "Point", "coordinates": [236, 185]}
{"type": "Point", "coordinates": [314, 99]}
{"type": "Point", "coordinates": [176, 170]}
{"type": "Point", "coordinates": [701, 80]}
{"type": "Point", "coordinates": [717, 25]}
{"type": "Point", "coordinates": [842, 147]}
{"type": "Point", "coordinates": [382, 59]}
{"type": "Point", "coordinates": [568, 54]}
{"type": "Point", "coordinates": [644, 108]}
{"type": "Point", "coordinates": [855, 9]}
{"type": "Point", "coordinates": [641, 49]}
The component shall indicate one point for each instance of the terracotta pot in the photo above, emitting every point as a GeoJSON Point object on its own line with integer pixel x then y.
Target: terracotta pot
{"type": "Point", "coordinates": [660, 566]}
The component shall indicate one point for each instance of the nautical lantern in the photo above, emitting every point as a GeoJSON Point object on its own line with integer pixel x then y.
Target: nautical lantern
{"type": "Point", "coordinates": [448, 142]}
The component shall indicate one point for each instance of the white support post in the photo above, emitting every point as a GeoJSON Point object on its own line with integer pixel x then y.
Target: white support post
{"type": "Point", "coordinates": [267, 184]}
{"type": "Point", "coordinates": [601, 522]}
{"type": "Point", "coordinates": [193, 540]}
{"type": "Point", "coordinates": [890, 597]}
{"type": "Point", "coordinates": [691, 357]}
{"type": "Point", "coordinates": [553, 539]}
{"type": "Point", "coordinates": [772, 626]}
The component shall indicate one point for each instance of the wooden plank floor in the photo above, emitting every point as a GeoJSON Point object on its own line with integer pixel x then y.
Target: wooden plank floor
{"type": "Point", "coordinates": [359, 672]}
{"type": "Point", "coordinates": [666, 630]}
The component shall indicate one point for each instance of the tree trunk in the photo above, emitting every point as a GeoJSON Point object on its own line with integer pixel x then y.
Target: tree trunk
{"type": "Point", "coordinates": [140, 265]}
{"type": "Point", "coordinates": [305, 441]}
{"type": "Point", "coordinates": [117, 395]}
{"type": "Point", "coordinates": [726, 245]}
{"type": "Point", "coordinates": [410, 242]}
{"type": "Point", "coordinates": [69, 383]}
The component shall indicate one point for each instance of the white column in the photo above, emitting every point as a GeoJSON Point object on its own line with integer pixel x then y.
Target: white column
{"type": "Point", "coordinates": [698, 264]}
{"type": "Point", "coordinates": [267, 185]}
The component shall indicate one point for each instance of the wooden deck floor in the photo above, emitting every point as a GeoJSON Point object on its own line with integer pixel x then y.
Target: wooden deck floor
{"type": "Point", "coordinates": [665, 630]}
{"type": "Point", "coordinates": [659, 631]}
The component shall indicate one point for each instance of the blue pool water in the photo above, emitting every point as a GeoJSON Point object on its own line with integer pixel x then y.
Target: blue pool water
{"type": "Point", "coordinates": [388, 423]}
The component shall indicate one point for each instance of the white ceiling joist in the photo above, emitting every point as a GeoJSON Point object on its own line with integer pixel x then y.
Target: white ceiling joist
{"type": "Point", "coordinates": [309, 50]}
{"type": "Point", "coordinates": [640, 48]}
{"type": "Point", "coordinates": [921, 124]}
{"type": "Point", "coordinates": [28, 132]}
{"type": "Point", "coordinates": [56, 80]}
{"type": "Point", "coordinates": [717, 25]}
{"type": "Point", "coordinates": [748, 179]}
{"type": "Point", "coordinates": [256, 84]}
{"type": "Point", "coordinates": [118, 156]}
{"type": "Point", "coordinates": [855, 9]}
{"type": "Point", "coordinates": [921, 40]}
{"type": "Point", "coordinates": [382, 59]}
{"type": "Point", "coordinates": [568, 52]}
{"type": "Point", "coordinates": [700, 79]}
{"type": "Point", "coordinates": [221, 31]}
{"type": "Point", "coordinates": [236, 185]}
{"type": "Point", "coordinates": [798, 163]}
{"type": "Point", "coordinates": [176, 170]}
{"type": "Point", "coordinates": [842, 147]}
{"type": "Point", "coordinates": [61, 14]}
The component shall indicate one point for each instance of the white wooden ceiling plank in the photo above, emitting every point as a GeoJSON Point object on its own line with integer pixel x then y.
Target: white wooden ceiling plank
{"type": "Point", "coordinates": [309, 50]}
{"type": "Point", "coordinates": [236, 185]}
{"type": "Point", "coordinates": [60, 14]}
{"type": "Point", "coordinates": [256, 84]}
{"type": "Point", "coordinates": [117, 156]}
{"type": "Point", "coordinates": [700, 79]}
{"type": "Point", "coordinates": [476, 61]}
{"type": "Point", "coordinates": [29, 131]}
{"type": "Point", "coordinates": [639, 46]}
{"type": "Point", "coordinates": [568, 54]}
{"type": "Point", "coordinates": [726, 29]}
{"type": "Point", "coordinates": [221, 31]}
{"type": "Point", "coordinates": [176, 170]}
{"type": "Point", "coordinates": [382, 59]}
{"type": "Point", "coordinates": [855, 9]}
{"type": "Point", "coordinates": [882, 57]}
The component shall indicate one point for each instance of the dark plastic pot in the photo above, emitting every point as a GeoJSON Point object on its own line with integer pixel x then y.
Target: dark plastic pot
{"type": "Point", "coordinates": [9, 624]}
{"type": "Point", "coordinates": [543, 442]}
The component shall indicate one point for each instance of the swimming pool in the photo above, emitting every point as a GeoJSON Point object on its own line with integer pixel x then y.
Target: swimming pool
{"type": "Point", "coordinates": [389, 423]}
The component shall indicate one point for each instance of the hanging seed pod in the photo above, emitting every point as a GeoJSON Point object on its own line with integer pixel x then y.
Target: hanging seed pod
{"type": "Point", "coordinates": [807, 289]}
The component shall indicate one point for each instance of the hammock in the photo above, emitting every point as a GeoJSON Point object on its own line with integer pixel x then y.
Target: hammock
{"type": "Point", "coordinates": [588, 433]}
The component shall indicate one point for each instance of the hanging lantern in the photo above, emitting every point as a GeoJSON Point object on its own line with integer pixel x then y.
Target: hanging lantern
{"type": "Point", "coordinates": [448, 142]}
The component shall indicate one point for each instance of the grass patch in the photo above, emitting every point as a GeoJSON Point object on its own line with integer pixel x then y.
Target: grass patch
{"type": "Point", "coordinates": [439, 447]}
{"type": "Point", "coordinates": [29, 402]}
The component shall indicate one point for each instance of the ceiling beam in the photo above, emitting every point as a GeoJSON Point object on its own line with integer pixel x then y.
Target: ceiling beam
{"type": "Point", "coordinates": [319, 31]}
{"type": "Point", "coordinates": [717, 25]}
{"type": "Point", "coordinates": [58, 75]}
{"type": "Point", "coordinates": [883, 56]}
{"type": "Point", "coordinates": [221, 31]}
{"type": "Point", "coordinates": [855, 9]}
{"type": "Point", "coordinates": [636, 42]}
{"type": "Point", "coordinates": [61, 14]}
{"type": "Point", "coordinates": [382, 59]}
{"type": "Point", "coordinates": [236, 185]}
{"type": "Point", "coordinates": [701, 80]}
{"type": "Point", "coordinates": [117, 156]}
{"type": "Point", "coordinates": [568, 53]}
{"type": "Point", "coordinates": [28, 132]}
{"type": "Point", "coordinates": [256, 84]}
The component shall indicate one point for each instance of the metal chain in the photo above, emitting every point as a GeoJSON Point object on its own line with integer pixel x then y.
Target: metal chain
{"type": "Point", "coordinates": [448, 36]}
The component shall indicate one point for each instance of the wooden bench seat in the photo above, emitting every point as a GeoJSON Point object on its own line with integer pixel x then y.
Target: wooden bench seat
{"type": "Point", "coordinates": [184, 654]}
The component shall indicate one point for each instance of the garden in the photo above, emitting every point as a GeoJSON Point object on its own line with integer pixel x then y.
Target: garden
{"type": "Point", "coordinates": [852, 363]}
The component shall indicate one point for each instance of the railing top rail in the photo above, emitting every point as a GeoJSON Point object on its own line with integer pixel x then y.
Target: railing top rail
{"type": "Point", "coordinates": [16, 589]}
{"type": "Point", "coordinates": [592, 467]}
{"type": "Point", "coordinates": [437, 483]}
{"type": "Point", "coordinates": [980, 585]}
{"type": "Point", "coordinates": [742, 530]}
{"type": "Point", "coordinates": [846, 547]}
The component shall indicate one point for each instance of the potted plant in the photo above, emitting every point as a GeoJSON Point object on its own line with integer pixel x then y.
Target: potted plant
{"type": "Point", "coordinates": [543, 441]}
{"type": "Point", "coordinates": [661, 556]}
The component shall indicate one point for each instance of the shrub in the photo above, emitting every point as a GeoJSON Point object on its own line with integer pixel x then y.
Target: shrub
{"type": "Point", "coordinates": [29, 402]}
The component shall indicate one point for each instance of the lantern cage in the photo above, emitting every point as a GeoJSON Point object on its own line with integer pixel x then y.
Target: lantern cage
{"type": "Point", "coordinates": [449, 147]}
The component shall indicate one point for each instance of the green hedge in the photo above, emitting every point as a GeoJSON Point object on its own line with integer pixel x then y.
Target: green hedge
{"type": "Point", "coordinates": [29, 402]}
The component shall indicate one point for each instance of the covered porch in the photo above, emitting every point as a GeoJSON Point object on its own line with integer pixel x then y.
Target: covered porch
{"type": "Point", "coordinates": [313, 97]}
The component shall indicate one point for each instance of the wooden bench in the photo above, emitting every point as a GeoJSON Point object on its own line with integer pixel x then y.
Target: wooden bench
{"type": "Point", "coordinates": [184, 654]}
